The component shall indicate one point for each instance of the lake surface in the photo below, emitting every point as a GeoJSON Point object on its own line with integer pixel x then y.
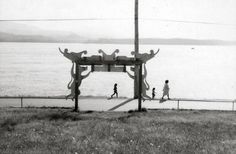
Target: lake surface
{"type": "Point", "coordinates": [199, 72]}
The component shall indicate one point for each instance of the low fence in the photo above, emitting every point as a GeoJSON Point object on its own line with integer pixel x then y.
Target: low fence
{"type": "Point", "coordinates": [177, 100]}
{"type": "Point", "coordinates": [31, 97]}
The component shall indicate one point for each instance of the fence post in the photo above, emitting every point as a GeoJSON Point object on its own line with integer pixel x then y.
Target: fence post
{"type": "Point", "coordinates": [21, 102]}
{"type": "Point", "coordinates": [178, 105]}
{"type": "Point", "coordinates": [233, 106]}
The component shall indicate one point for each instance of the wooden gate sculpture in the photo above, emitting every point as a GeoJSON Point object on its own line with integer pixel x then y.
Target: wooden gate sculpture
{"type": "Point", "coordinates": [108, 63]}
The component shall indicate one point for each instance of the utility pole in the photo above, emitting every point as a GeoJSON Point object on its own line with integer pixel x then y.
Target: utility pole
{"type": "Point", "coordinates": [136, 40]}
{"type": "Point", "coordinates": [136, 49]}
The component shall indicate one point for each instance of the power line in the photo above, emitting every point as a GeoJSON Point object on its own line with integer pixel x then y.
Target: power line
{"type": "Point", "coordinates": [112, 19]}
{"type": "Point", "coordinates": [192, 22]}
{"type": "Point", "coordinates": [72, 19]}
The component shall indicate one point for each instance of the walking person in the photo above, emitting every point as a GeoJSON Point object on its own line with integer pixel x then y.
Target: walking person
{"type": "Point", "coordinates": [153, 93]}
{"type": "Point", "coordinates": [166, 90]}
{"type": "Point", "coordinates": [115, 91]}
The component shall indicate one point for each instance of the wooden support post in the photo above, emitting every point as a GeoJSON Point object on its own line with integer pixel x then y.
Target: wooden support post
{"type": "Point", "coordinates": [136, 82]}
{"type": "Point", "coordinates": [109, 68]}
{"type": "Point", "coordinates": [76, 85]}
{"type": "Point", "coordinates": [21, 102]}
{"type": "Point", "coordinates": [140, 89]}
{"type": "Point", "coordinates": [124, 68]}
{"type": "Point", "coordinates": [92, 68]}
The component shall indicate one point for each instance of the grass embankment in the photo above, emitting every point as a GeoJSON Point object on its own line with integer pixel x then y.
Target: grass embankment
{"type": "Point", "coordinates": [35, 130]}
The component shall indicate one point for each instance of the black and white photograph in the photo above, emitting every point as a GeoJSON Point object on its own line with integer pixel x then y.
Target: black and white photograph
{"type": "Point", "coordinates": [117, 76]}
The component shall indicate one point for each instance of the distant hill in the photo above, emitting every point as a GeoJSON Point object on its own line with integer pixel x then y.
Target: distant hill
{"type": "Point", "coordinates": [6, 37]}
{"type": "Point", "coordinates": [73, 38]}
{"type": "Point", "coordinates": [15, 32]}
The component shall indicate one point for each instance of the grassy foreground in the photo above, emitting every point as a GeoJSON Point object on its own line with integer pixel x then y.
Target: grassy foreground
{"type": "Point", "coordinates": [38, 130]}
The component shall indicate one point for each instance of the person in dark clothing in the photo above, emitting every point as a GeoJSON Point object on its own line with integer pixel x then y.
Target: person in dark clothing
{"type": "Point", "coordinates": [115, 91]}
{"type": "Point", "coordinates": [153, 93]}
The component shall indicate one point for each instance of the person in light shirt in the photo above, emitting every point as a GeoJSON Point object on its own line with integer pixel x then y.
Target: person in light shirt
{"type": "Point", "coordinates": [166, 90]}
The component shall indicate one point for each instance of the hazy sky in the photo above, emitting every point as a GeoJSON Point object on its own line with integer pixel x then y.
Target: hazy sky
{"type": "Point", "coordinates": [202, 14]}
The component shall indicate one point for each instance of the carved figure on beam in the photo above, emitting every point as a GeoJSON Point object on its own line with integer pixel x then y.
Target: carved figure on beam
{"type": "Point", "coordinates": [145, 85]}
{"type": "Point", "coordinates": [73, 56]}
{"type": "Point", "coordinates": [71, 84]}
{"type": "Point", "coordinates": [107, 57]}
{"type": "Point", "coordinates": [144, 57]}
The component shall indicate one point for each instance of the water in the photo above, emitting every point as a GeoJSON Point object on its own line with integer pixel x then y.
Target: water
{"type": "Point", "coordinates": [39, 69]}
